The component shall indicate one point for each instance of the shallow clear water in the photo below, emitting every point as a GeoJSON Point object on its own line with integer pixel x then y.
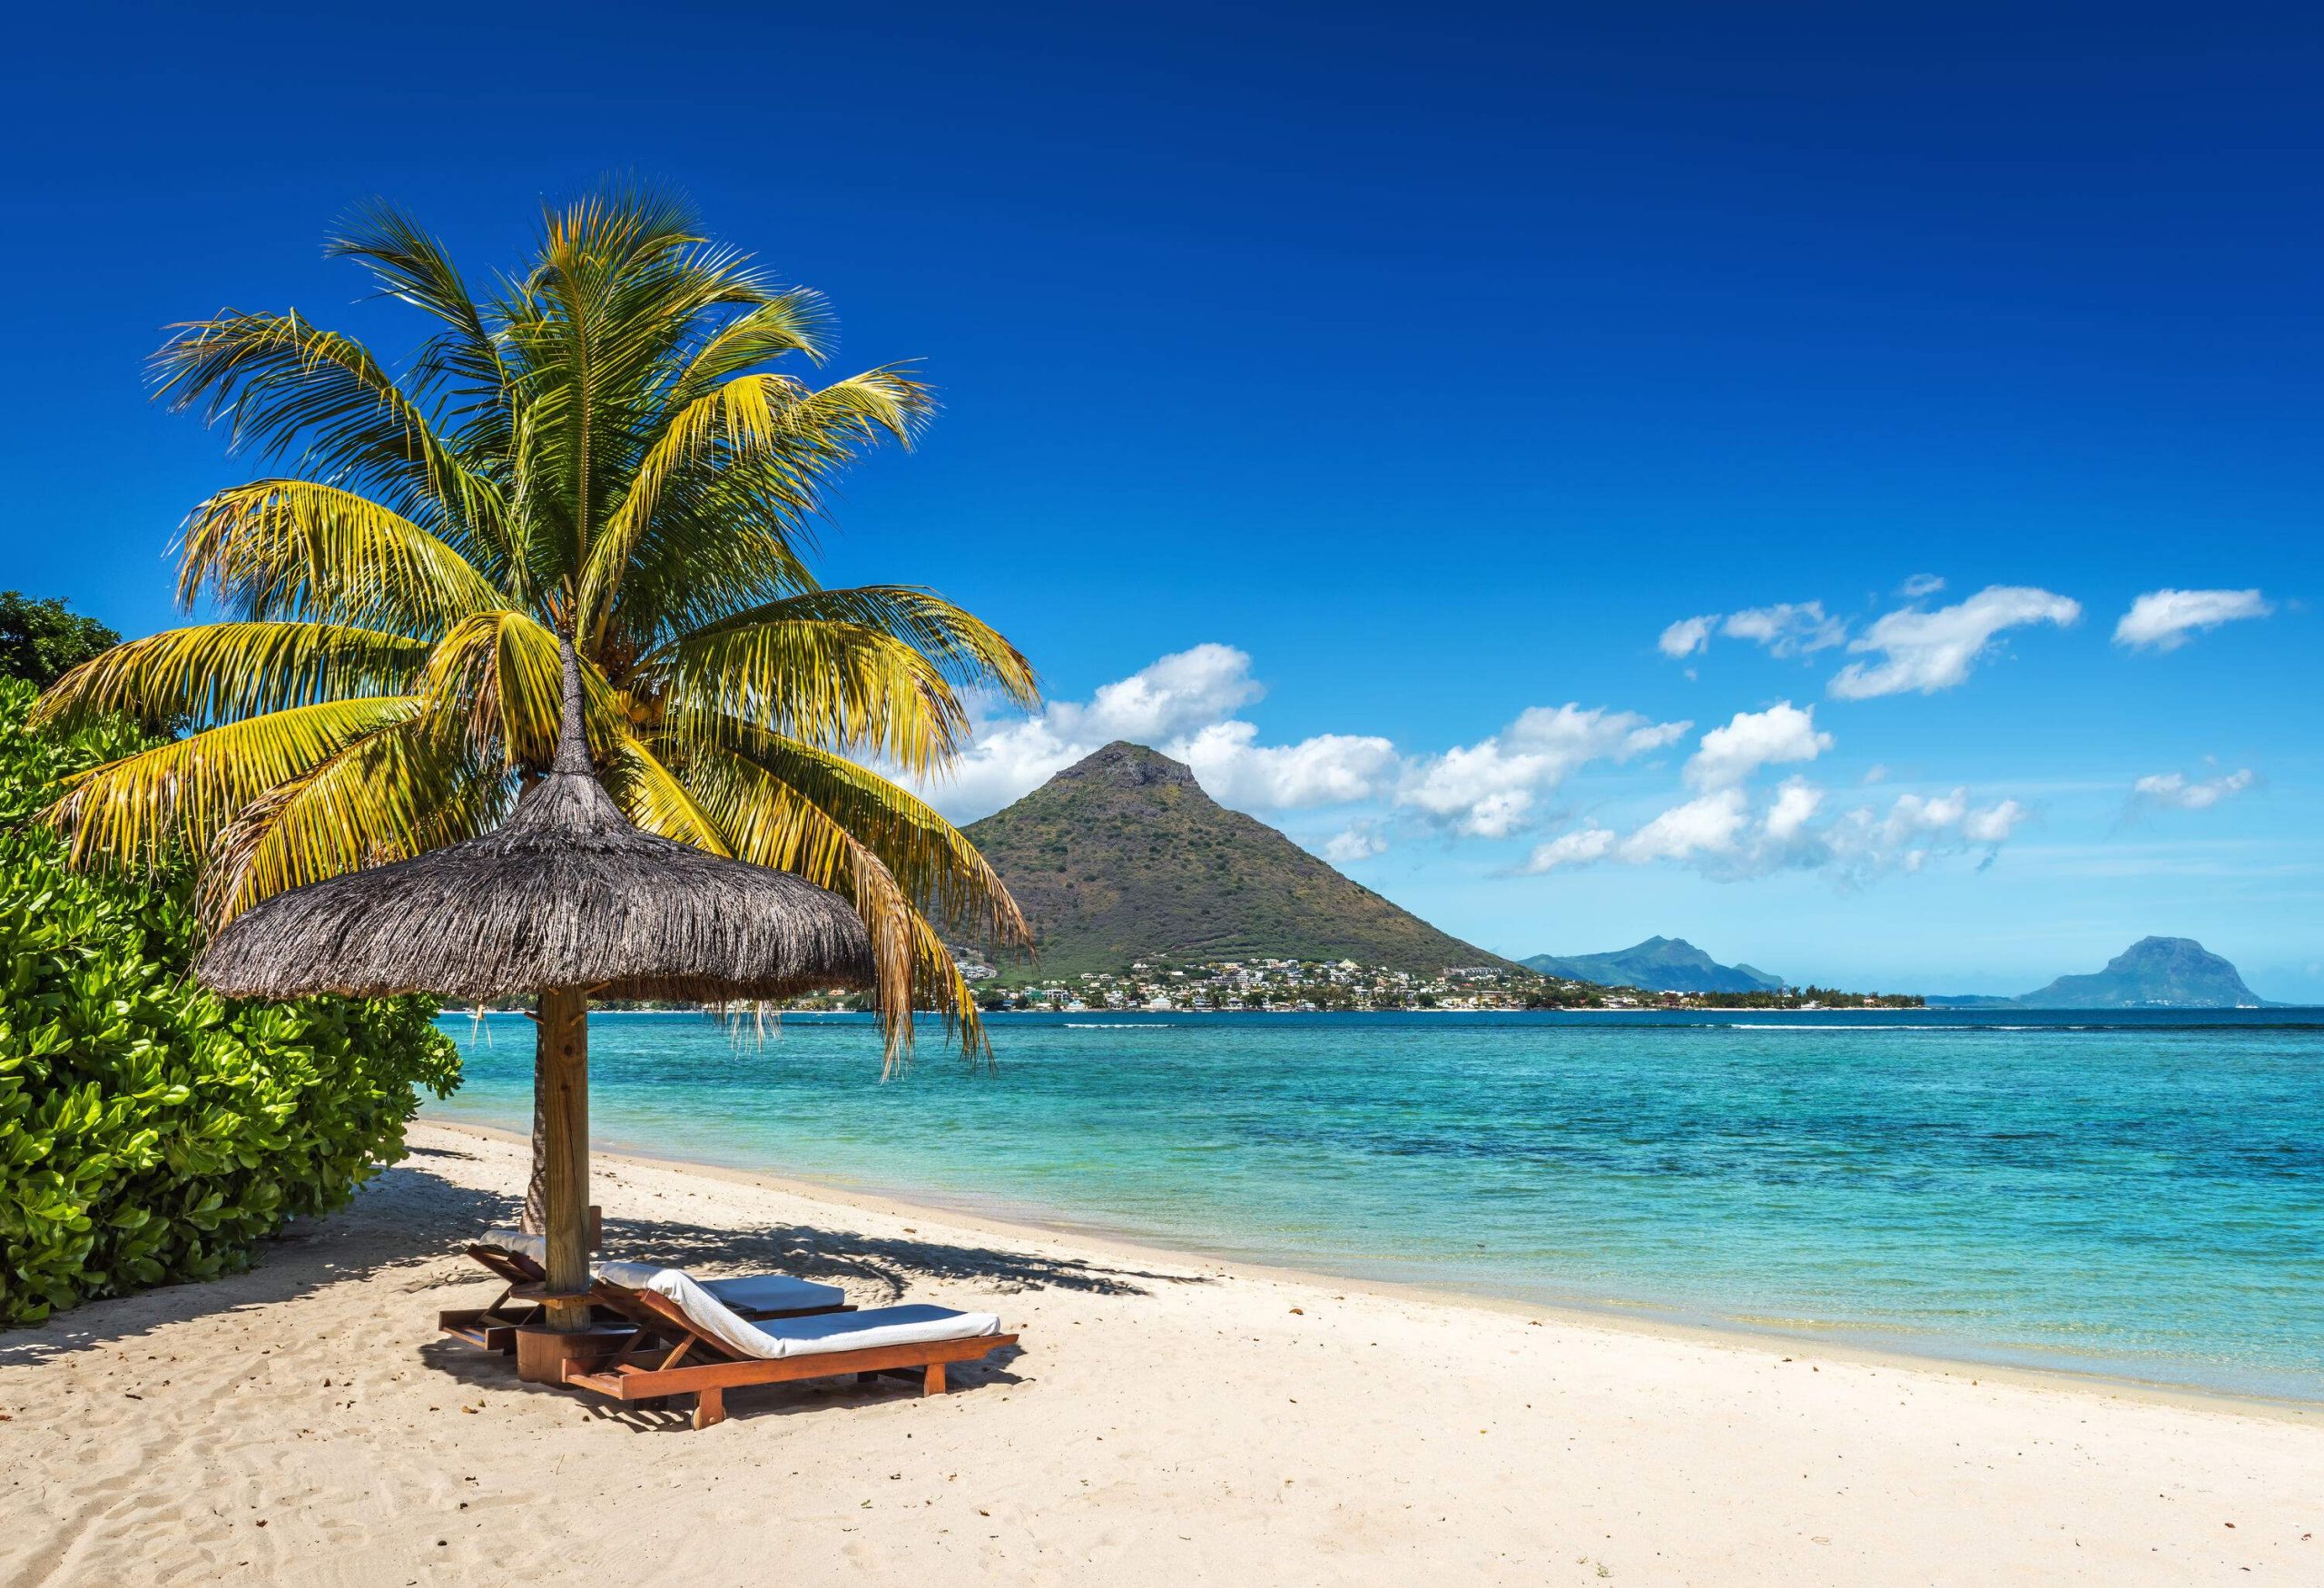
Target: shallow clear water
{"type": "Point", "coordinates": [2140, 1195]}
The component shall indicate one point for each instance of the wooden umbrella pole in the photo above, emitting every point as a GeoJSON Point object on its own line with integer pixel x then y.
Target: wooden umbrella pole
{"type": "Point", "coordinates": [564, 1104]}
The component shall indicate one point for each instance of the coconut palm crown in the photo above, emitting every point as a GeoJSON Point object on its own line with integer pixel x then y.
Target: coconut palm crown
{"type": "Point", "coordinates": [603, 447]}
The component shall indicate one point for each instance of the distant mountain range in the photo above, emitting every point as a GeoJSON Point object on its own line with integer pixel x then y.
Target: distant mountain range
{"type": "Point", "coordinates": [1660, 964]}
{"type": "Point", "coordinates": [2154, 973]}
{"type": "Point", "coordinates": [1122, 856]}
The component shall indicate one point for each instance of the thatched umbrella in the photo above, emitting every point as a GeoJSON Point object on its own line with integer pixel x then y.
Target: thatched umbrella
{"type": "Point", "coordinates": [564, 901]}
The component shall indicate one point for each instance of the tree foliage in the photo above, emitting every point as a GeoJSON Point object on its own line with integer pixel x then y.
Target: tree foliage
{"type": "Point", "coordinates": [41, 641]}
{"type": "Point", "coordinates": [148, 1131]}
{"type": "Point", "coordinates": [605, 446]}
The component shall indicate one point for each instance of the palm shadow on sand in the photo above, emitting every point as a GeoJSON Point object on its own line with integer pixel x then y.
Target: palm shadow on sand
{"type": "Point", "coordinates": [411, 1218]}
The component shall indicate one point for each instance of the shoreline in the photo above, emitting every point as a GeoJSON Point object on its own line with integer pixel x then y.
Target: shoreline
{"type": "Point", "coordinates": [1162, 1422]}
{"type": "Point", "coordinates": [1023, 1222]}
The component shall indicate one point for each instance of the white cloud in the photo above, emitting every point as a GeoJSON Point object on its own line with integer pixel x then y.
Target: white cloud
{"type": "Point", "coordinates": [1727, 836]}
{"type": "Point", "coordinates": [1579, 847]}
{"type": "Point", "coordinates": [1797, 803]}
{"type": "Point", "coordinates": [1754, 739]}
{"type": "Point", "coordinates": [1330, 769]}
{"type": "Point", "coordinates": [1919, 586]}
{"type": "Point", "coordinates": [2162, 619]}
{"type": "Point", "coordinates": [1707, 826]}
{"type": "Point", "coordinates": [1487, 790]}
{"type": "Point", "coordinates": [2178, 792]}
{"type": "Point", "coordinates": [1176, 694]}
{"type": "Point", "coordinates": [1688, 635]}
{"type": "Point", "coordinates": [1180, 705]}
{"type": "Point", "coordinates": [1789, 628]}
{"type": "Point", "coordinates": [1358, 840]}
{"type": "Point", "coordinates": [1929, 651]}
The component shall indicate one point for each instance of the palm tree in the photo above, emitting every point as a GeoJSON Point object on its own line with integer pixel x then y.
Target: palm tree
{"type": "Point", "coordinates": [602, 447]}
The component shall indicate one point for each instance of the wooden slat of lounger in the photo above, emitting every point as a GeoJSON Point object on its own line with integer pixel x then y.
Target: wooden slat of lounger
{"type": "Point", "coordinates": [786, 1369]}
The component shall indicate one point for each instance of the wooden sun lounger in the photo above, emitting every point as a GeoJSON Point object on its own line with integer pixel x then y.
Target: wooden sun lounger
{"type": "Point", "coordinates": [494, 1327]}
{"type": "Point", "coordinates": [654, 1362]}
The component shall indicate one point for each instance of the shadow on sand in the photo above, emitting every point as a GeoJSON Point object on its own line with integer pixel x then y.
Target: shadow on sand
{"type": "Point", "coordinates": [410, 1220]}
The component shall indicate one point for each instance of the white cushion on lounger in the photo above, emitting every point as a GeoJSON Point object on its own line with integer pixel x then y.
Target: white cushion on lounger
{"type": "Point", "coordinates": [918, 1325]}
{"type": "Point", "coordinates": [749, 1292]}
{"type": "Point", "coordinates": [535, 1247]}
{"type": "Point", "coordinates": [773, 1293]}
{"type": "Point", "coordinates": [800, 1337]}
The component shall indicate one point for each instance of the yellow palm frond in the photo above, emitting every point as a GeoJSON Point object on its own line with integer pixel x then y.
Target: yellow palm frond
{"type": "Point", "coordinates": [932, 858]}
{"type": "Point", "coordinates": [499, 672]}
{"type": "Point", "coordinates": [387, 795]}
{"type": "Point", "coordinates": [651, 795]}
{"type": "Point", "coordinates": [798, 435]}
{"type": "Point", "coordinates": [282, 548]}
{"type": "Point", "coordinates": [770, 822]}
{"type": "Point", "coordinates": [796, 321]}
{"type": "Point", "coordinates": [836, 685]}
{"type": "Point", "coordinates": [967, 650]}
{"type": "Point", "coordinates": [220, 672]}
{"type": "Point", "coordinates": [136, 811]}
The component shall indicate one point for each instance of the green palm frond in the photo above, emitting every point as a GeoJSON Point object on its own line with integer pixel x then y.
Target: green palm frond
{"type": "Point", "coordinates": [798, 437]}
{"type": "Point", "coordinates": [411, 265]}
{"type": "Point", "coordinates": [603, 447]}
{"type": "Point", "coordinates": [651, 795]}
{"type": "Point", "coordinates": [285, 387]}
{"type": "Point", "coordinates": [794, 321]}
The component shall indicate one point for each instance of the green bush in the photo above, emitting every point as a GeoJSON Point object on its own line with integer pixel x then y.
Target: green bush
{"type": "Point", "coordinates": [149, 1131]}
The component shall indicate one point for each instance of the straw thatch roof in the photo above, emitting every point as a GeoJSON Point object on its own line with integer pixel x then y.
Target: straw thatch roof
{"type": "Point", "coordinates": [566, 894]}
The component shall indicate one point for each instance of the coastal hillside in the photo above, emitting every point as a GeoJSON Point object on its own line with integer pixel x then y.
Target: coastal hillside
{"type": "Point", "coordinates": [1663, 964]}
{"type": "Point", "coordinates": [1122, 856]}
{"type": "Point", "coordinates": [2154, 973]}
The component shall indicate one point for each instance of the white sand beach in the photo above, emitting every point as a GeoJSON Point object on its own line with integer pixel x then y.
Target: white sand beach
{"type": "Point", "coordinates": [1166, 1421]}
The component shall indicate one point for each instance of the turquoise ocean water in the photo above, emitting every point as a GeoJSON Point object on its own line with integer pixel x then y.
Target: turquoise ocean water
{"type": "Point", "coordinates": [2135, 1196]}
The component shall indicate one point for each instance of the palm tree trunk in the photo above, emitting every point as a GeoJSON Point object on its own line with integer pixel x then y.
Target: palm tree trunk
{"type": "Point", "coordinates": [536, 1220]}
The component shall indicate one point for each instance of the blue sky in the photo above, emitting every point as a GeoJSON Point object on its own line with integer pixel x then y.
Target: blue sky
{"type": "Point", "coordinates": [1402, 374]}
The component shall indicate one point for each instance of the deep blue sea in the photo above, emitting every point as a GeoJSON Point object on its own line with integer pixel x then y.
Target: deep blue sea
{"type": "Point", "coordinates": [2138, 1195]}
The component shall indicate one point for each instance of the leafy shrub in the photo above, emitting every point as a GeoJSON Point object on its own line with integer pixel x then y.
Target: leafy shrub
{"type": "Point", "coordinates": [149, 1131]}
{"type": "Point", "coordinates": [41, 641]}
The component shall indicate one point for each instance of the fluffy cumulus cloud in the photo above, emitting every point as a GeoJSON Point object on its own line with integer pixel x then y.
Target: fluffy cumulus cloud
{"type": "Point", "coordinates": [1360, 840]}
{"type": "Point", "coordinates": [1688, 635]}
{"type": "Point", "coordinates": [1729, 754]}
{"type": "Point", "coordinates": [1932, 650]}
{"type": "Point", "coordinates": [1789, 628]}
{"type": "Point", "coordinates": [2177, 792]}
{"type": "Point", "coordinates": [1708, 825]}
{"type": "Point", "coordinates": [1488, 789]}
{"type": "Point", "coordinates": [1330, 769]}
{"type": "Point", "coordinates": [1182, 705]}
{"type": "Point", "coordinates": [2162, 620]}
